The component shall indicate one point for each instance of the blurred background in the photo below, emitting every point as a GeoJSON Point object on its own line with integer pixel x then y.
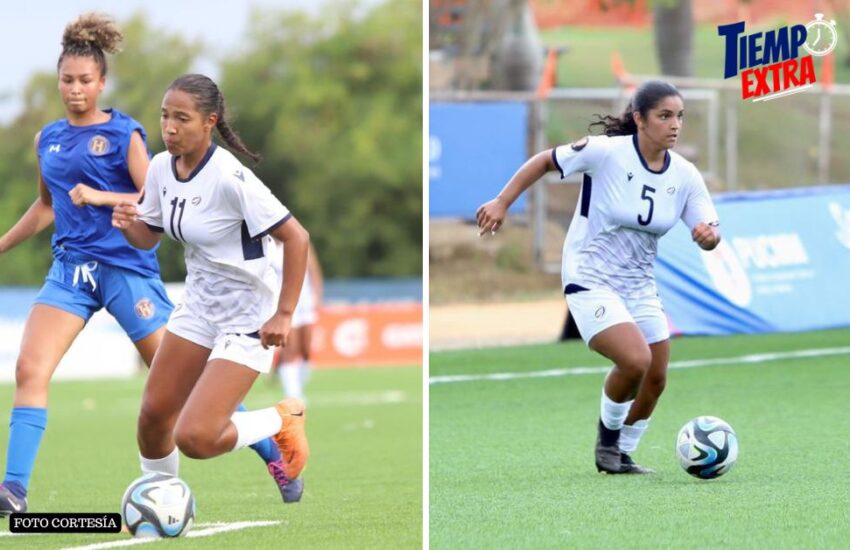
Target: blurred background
{"type": "Point", "coordinates": [330, 92]}
{"type": "Point", "coordinates": [509, 78]}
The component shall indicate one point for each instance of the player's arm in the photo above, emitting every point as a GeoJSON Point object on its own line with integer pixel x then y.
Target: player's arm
{"type": "Point", "coordinates": [491, 215]}
{"type": "Point", "coordinates": [700, 215]}
{"type": "Point", "coordinates": [137, 165]}
{"type": "Point", "coordinates": [36, 219]}
{"type": "Point", "coordinates": [296, 244]}
{"type": "Point", "coordinates": [125, 216]}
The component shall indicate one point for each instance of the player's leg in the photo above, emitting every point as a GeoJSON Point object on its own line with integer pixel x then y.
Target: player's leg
{"type": "Point", "coordinates": [652, 321]}
{"type": "Point", "coordinates": [292, 363]}
{"type": "Point", "coordinates": [608, 328]}
{"type": "Point", "coordinates": [48, 334]}
{"type": "Point", "coordinates": [625, 346]}
{"type": "Point", "coordinates": [234, 364]}
{"type": "Point", "coordinates": [306, 351]}
{"type": "Point", "coordinates": [176, 368]}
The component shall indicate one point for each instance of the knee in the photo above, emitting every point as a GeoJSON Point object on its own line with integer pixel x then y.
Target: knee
{"type": "Point", "coordinates": [194, 442]}
{"type": "Point", "coordinates": [636, 363]}
{"type": "Point", "coordinates": [154, 418]}
{"type": "Point", "coordinates": [31, 375]}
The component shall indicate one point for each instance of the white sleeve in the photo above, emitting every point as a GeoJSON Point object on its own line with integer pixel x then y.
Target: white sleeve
{"type": "Point", "coordinates": [262, 211]}
{"type": "Point", "coordinates": [149, 207]}
{"type": "Point", "coordinates": [698, 205]}
{"type": "Point", "coordinates": [583, 155]}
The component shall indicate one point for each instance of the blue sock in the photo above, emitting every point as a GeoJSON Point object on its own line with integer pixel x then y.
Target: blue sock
{"type": "Point", "coordinates": [267, 449]}
{"type": "Point", "coordinates": [25, 431]}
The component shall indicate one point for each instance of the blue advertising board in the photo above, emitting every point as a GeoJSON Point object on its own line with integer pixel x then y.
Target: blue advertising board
{"type": "Point", "coordinates": [783, 264]}
{"type": "Point", "coordinates": [474, 148]}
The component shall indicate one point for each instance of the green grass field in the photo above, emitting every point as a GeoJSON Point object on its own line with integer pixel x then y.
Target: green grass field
{"type": "Point", "coordinates": [511, 461]}
{"type": "Point", "coordinates": [363, 481]}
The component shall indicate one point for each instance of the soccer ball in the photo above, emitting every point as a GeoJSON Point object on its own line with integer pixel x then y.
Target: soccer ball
{"type": "Point", "coordinates": [158, 505]}
{"type": "Point", "coordinates": [707, 447]}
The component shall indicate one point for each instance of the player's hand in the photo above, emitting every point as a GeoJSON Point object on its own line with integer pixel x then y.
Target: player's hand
{"type": "Point", "coordinates": [124, 214]}
{"type": "Point", "coordinates": [706, 236]}
{"type": "Point", "coordinates": [490, 216]}
{"type": "Point", "coordinates": [275, 331]}
{"type": "Point", "coordinates": [82, 195]}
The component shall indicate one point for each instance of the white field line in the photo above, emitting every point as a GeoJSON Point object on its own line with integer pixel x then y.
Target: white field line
{"type": "Point", "coordinates": [207, 529]}
{"type": "Point", "coordinates": [552, 373]}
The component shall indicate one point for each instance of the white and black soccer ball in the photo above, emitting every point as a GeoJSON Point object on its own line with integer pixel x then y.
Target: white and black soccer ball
{"type": "Point", "coordinates": [707, 447]}
{"type": "Point", "coordinates": [158, 505]}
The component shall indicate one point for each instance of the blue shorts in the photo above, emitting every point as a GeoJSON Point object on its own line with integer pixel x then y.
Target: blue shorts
{"type": "Point", "coordinates": [138, 303]}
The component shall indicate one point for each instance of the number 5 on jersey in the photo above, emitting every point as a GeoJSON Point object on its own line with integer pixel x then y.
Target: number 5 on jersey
{"type": "Point", "coordinates": [645, 194]}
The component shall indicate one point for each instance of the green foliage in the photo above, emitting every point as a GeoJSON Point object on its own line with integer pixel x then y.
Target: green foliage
{"type": "Point", "coordinates": [332, 100]}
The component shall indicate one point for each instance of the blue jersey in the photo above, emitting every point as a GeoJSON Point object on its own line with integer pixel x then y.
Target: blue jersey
{"type": "Point", "coordinates": [95, 155]}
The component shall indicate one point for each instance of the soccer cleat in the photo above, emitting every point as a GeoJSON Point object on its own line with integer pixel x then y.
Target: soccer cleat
{"type": "Point", "coordinates": [290, 489]}
{"type": "Point", "coordinates": [607, 456]}
{"type": "Point", "coordinates": [628, 466]}
{"type": "Point", "coordinates": [10, 503]}
{"type": "Point", "coordinates": [292, 440]}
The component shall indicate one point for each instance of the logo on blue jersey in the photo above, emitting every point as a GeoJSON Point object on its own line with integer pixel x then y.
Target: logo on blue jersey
{"type": "Point", "coordinates": [144, 309]}
{"type": "Point", "coordinates": [55, 148]}
{"type": "Point", "coordinates": [98, 145]}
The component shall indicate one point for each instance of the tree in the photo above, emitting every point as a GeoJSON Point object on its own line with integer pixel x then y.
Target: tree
{"type": "Point", "coordinates": [674, 36]}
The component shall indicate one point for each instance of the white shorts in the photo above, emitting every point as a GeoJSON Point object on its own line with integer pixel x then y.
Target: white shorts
{"type": "Point", "coordinates": [596, 309]}
{"type": "Point", "coordinates": [244, 349]}
{"type": "Point", "coordinates": [305, 310]}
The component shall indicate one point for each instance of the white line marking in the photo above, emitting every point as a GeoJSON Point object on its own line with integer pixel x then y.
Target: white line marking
{"type": "Point", "coordinates": [784, 93]}
{"type": "Point", "coordinates": [551, 373]}
{"type": "Point", "coordinates": [206, 530]}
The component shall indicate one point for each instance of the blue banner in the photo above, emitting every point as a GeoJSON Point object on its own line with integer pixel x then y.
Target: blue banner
{"type": "Point", "coordinates": [474, 149]}
{"type": "Point", "coordinates": [783, 264]}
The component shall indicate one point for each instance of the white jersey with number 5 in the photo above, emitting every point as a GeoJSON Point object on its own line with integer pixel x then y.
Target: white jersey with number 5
{"type": "Point", "coordinates": [623, 208]}
{"type": "Point", "coordinates": [222, 214]}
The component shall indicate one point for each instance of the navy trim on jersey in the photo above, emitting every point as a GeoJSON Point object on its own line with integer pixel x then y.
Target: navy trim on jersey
{"type": "Point", "coordinates": [274, 226]}
{"type": "Point", "coordinates": [586, 184]}
{"type": "Point", "coordinates": [154, 228]}
{"type": "Point", "coordinates": [643, 160]}
{"type": "Point", "coordinates": [555, 160]}
{"type": "Point", "coordinates": [252, 248]}
{"type": "Point", "coordinates": [197, 168]}
{"type": "Point", "coordinates": [572, 288]}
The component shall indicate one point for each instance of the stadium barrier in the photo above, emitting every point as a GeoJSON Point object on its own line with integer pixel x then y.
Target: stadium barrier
{"type": "Point", "coordinates": [783, 265]}
{"type": "Point", "coordinates": [368, 334]}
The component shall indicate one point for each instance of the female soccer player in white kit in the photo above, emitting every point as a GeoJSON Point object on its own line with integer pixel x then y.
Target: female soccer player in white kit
{"type": "Point", "coordinates": [634, 191]}
{"type": "Point", "coordinates": [220, 338]}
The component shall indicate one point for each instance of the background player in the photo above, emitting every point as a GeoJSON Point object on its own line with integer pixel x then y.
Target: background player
{"type": "Point", "coordinates": [293, 361]}
{"type": "Point", "coordinates": [217, 342]}
{"type": "Point", "coordinates": [634, 190]}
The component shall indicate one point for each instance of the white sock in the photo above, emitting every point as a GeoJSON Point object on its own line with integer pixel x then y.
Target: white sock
{"type": "Point", "coordinates": [630, 435]}
{"type": "Point", "coordinates": [169, 464]}
{"type": "Point", "coordinates": [254, 426]}
{"type": "Point", "coordinates": [614, 414]}
{"type": "Point", "coordinates": [291, 378]}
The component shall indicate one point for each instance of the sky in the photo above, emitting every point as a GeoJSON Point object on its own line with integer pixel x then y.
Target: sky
{"type": "Point", "coordinates": [32, 35]}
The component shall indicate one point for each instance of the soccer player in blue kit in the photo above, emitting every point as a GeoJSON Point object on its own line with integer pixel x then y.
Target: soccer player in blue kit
{"type": "Point", "coordinates": [634, 190]}
{"type": "Point", "coordinates": [88, 162]}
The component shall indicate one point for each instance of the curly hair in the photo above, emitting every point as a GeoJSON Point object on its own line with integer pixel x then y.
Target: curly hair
{"type": "Point", "coordinates": [89, 35]}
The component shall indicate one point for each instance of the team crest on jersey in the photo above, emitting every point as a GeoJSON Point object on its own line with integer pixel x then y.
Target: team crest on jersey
{"type": "Point", "coordinates": [579, 145]}
{"type": "Point", "coordinates": [98, 145]}
{"type": "Point", "coordinates": [144, 309]}
{"type": "Point", "coordinates": [196, 201]}
{"type": "Point", "coordinates": [671, 190]}
{"type": "Point", "coordinates": [600, 311]}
